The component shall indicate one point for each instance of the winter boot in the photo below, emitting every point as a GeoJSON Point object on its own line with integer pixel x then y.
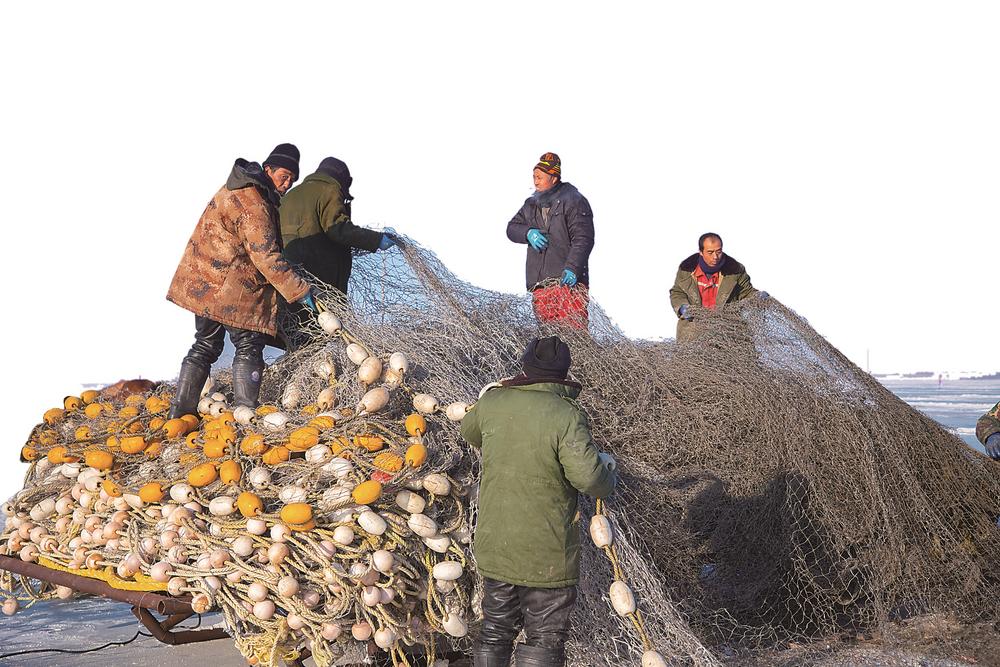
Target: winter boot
{"type": "Point", "coordinates": [539, 656]}
{"type": "Point", "coordinates": [190, 381]}
{"type": "Point", "coordinates": [491, 655]}
{"type": "Point", "coordinates": [246, 382]}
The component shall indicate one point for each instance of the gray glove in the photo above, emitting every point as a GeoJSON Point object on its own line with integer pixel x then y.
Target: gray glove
{"type": "Point", "coordinates": [683, 312]}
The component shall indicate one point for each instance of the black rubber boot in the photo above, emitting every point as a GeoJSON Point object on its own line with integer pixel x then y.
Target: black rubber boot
{"type": "Point", "coordinates": [190, 381]}
{"type": "Point", "coordinates": [246, 382]}
{"type": "Point", "coordinates": [538, 656]}
{"type": "Point", "coordinates": [491, 655]}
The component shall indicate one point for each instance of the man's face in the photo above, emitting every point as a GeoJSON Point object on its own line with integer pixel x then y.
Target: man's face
{"type": "Point", "coordinates": [281, 177]}
{"type": "Point", "coordinates": [711, 252]}
{"type": "Point", "coordinates": [543, 181]}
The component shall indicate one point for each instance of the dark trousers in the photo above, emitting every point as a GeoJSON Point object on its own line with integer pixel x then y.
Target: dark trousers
{"type": "Point", "coordinates": [210, 339]}
{"type": "Point", "coordinates": [544, 613]}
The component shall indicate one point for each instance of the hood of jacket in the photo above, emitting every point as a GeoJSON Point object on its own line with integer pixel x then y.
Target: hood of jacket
{"type": "Point", "coordinates": [246, 174]}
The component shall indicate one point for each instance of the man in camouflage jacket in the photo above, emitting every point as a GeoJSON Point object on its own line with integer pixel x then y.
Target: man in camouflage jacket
{"type": "Point", "coordinates": [231, 274]}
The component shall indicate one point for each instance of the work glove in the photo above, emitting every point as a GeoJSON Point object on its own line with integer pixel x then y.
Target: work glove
{"type": "Point", "coordinates": [683, 312]}
{"type": "Point", "coordinates": [763, 296]}
{"type": "Point", "coordinates": [608, 461]}
{"type": "Point", "coordinates": [308, 301]}
{"type": "Point", "coordinates": [537, 240]}
{"type": "Point", "coordinates": [386, 242]}
{"type": "Point", "coordinates": [568, 278]}
{"type": "Point", "coordinates": [993, 446]}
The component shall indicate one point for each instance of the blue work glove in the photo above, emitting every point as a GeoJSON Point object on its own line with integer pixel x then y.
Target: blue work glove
{"type": "Point", "coordinates": [308, 301]}
{"type": "Point", "coordinates": [683, 312]}
{"type": "Point", "coordinates": [537, 239]}
{"type": "Point", "coordinates": [993, 446]}
{"type": "Point", "coordinates": [762, 295]}
{"type": "Point", "coordinates": [386, 242]}
{"type": "Point", "coordinates": [568, 278]}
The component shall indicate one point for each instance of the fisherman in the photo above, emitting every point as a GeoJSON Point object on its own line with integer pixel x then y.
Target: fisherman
{"type": "Point", "coordinates": [709, 279]}
{"type": "Point", "coordinates": [537, 452]}
{"type": "Point", "coordinates": [557, 224]}
{"type": "Point", "coordinates": [228, 276]}
{"type": "Point", "coordinates": [316, 225]}
{"type": "Point", "coordinates": [988, 432]}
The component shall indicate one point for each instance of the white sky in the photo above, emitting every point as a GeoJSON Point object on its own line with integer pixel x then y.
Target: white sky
{"type": "Point", "coordinates": [847, 152]}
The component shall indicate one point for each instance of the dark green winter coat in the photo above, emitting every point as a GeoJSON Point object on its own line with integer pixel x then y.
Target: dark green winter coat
{"type": "Point", "coordinates": [734, 286]}
{"type": "Point", "coordinates": [537, 454]}
{"type": "Point", "coordinates": [988, 424]}
{"type": "Point", "coordinates": [317, 231]}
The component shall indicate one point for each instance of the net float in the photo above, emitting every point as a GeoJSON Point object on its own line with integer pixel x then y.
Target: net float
{"type": "Point", "coordinates": [455, 625]}
{"type": "Point", "coordinates": [317, 454]}
{"type": "Point", "coordinates": [652, 658]}
{"type": "Point", "coordinates": [360, 631]}
{"type": "Point", "coordinates": [425, 404]}
{"type": "Point", "coordinates": [327, 399]}
{"type": "Point", "coordinates": [356, 353]}
{"type": "Point", "coordinates": [264, 610]}
{"type": "Point", "coordinates": [385, 638]}
{"type": "Point", "coordinates": [293, 494]}
{"type": "Point", "coordinates": [448, 570]}
{"type": "Point", "coordinates": [201, 603]}
{"type": "Point", "coordinates": [257, 591]}
{"type": "Point", "coordinates": [275, 421]}
{"type": "Point", "coordinates": [222, 506]}
{"type": "Point", "coordinates": [622, 598]}
{"type": "Point", "coordinates": [344, 535]}
{"type": "Point", "coordinates": [370, 370]}
{"type": "Point", "coordinates": [600, 531]}
{"type": "Point", "coordinates": [370, 596]}
{"type": "Point", "coordinates": [329, 322]}
{"type": "Point", "coordinates": [373, 400]}
{"type": "Point", "coordinates": [287, 586]}
{"type": "Point", "coordinates": [456, 411]}
{"type": "Point", "coordinates": [244, 414]}
{"type": "Point", "coordinates": [383, 561]}
{"type": "Point", "coordinates": [410, 502]}
{"type": "Point", "coordinates": [330, 631]}
{"type": "Point", "coordinates": [437, 484]}
{"type": "Point", "coordinates": [438, 543]}
{"type": "Point", "coordinates": [280, 532]}
{"type": "Point", "coordinates": [422, 525]}
{"type": "Point", "coordinates": [242, 546]}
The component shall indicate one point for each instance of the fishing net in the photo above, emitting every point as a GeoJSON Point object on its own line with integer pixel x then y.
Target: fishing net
{"type": "Point", "coordinates": [770, 491]}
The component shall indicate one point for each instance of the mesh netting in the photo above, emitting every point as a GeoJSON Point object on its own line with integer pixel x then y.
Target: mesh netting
{"type": "Point", "coordinates": [770, 490]}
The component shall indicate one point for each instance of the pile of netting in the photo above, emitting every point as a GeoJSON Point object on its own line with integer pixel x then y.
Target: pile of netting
{"type": "Point", "coordinates": [769, 489]}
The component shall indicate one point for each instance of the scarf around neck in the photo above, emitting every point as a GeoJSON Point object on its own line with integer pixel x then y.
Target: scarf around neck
{"type": "Point", "coordinates": [711, 270]}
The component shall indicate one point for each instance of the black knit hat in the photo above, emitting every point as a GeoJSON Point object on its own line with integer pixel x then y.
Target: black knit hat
{"type": "Point", "coordinates": [284, 156]}
{"type": "Point", "coordinates": [337, 169]}
{"type": "Point", "coordinates": [546, 358]}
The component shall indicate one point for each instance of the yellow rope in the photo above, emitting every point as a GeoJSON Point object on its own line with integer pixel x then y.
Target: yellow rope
{"type": "Point", "coordinates": [108, 576]}
{"type": "Point", "coordinates": [619, 575]}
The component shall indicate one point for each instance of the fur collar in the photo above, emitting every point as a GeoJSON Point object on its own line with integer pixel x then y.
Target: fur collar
{"type": "Point", "coordinates": [730, 268]}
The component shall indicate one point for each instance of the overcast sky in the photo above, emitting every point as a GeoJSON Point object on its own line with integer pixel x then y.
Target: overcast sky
{"type": "Point", "coordinates": [847, 152]}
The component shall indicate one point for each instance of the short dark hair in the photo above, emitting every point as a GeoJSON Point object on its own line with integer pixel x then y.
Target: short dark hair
{"type": "Point", "coordinates": [704, 237]}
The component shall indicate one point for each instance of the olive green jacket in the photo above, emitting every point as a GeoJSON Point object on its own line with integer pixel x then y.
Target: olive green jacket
{"type": "Point", "coordinates": [537, 454]}
{"type": "Point", "coordinates": [988, 424]}
{"type": "Point", "coordinates": [317, 231]}
{"type": "Point", "coordinates": [734, 286]}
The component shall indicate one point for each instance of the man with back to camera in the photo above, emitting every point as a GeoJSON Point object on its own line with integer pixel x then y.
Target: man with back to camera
{"type": "Point", "coordinates": [709, 279]}
{"type": "Point", "coordinates": [557, 224]}
{"type": "Point", "coordinates": [537, 454]}
{"type": "Point", "coordinates": [230, 275]}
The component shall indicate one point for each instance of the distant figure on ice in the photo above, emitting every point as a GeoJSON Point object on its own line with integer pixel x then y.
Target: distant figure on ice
{"type": "Point", "coordinates": [537, 453]}
{"type": "Point", "coordinates": [709, 278]}
{"type": "Point", "coordinates": [316, 225]}
{"type": "Point", "coordinates": [228, 276]}
{"type": "Point", "coordinates": [557, 224]}
{"type": "Point", "coordinates": [988, 432]}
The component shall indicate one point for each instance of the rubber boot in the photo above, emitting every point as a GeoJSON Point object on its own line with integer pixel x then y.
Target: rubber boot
{"type": "Point", "coordinates": [491, 655]}
{"type": "Point", "coordinates": [539, 656]}
{"type": "Point", "coordinates": [246, 382]}
{"type": "Point", "coordinates": [190, 381]}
